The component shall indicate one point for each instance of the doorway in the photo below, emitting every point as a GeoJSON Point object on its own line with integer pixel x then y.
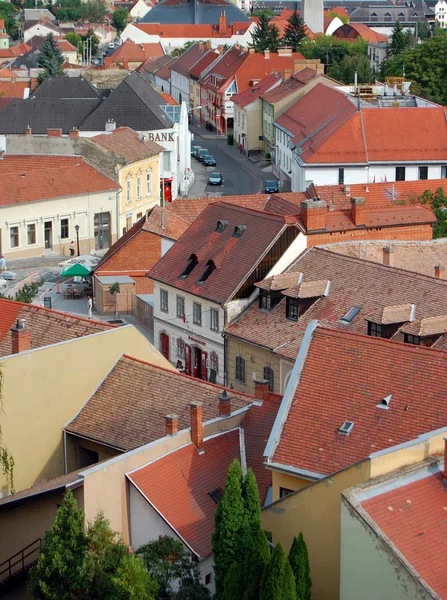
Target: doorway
{"type": "Point", "coordinates": [164, 345]}
{"type": "Point", "coordinates": [101, 226]}
{"type": "Point", "coordinates": [48, 234]}
{"type": "Point", "coordinates": [200, 368]}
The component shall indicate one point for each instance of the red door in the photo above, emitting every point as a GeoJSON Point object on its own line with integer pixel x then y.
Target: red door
{"type": "Point", "coordinates": [204, 371]}
{"type": "Point", "coordinates": [187, 359]}
{"type": "Point", "coordinates": [164, 343]}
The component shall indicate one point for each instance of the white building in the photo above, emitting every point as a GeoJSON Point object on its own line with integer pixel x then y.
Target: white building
{"type": "Point", "coordinates": [441, 13]}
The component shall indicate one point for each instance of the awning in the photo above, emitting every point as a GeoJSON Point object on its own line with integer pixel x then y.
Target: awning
{"type": "Point", "coordinates": [76, 270]}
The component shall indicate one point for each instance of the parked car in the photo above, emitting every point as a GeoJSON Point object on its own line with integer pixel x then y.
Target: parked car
{"type": "Point", "coordinates": [9, 275]}
{"type": "Point", "coordinates": [202, 153]}
{"type": "Point", "coordinates": [215, 179]}
{"type": "Point", "coordinates": [209, 161]}
{"type": "Point", "coordinates": [271, 186]}
{"type": "Point", "coordinates": [3, 283]}
{"type": "Point", "coordinates": [194, 150]}
{"type": "Point", "coordinates": [112, 46]}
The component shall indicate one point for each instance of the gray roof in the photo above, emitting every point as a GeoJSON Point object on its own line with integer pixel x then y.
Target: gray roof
{"type": "Point", "coordinates": [111, 279]}
{"type": "Point", "coordinates": [67, 87]}
{"type": "Point", "coordinates": [389, 14]}
{"type": "Point", "coordinates": [35, 14]}
{"type": "Point", "coordinates": [198, 12]}
{"type": "Point", "coordinates": [134, 103]}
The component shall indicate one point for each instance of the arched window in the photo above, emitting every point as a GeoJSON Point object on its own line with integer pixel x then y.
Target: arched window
{"type": "Point", "coordinates": [240, 369]}
{"type": "Point", "coordinates": [139, 186]}
{"type": "Point", "coordinates": [214, 361]}
{"type": "Point", "coordinates": [180, 348]}
{"type": "Point", "coordinates": [129, 191]}
{"type": "Point", "coordinates": [269, 375]}
{"type": "Point", "coordinates": [148, 183]}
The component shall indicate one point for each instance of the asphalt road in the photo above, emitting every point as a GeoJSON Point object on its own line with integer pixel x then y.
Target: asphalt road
{"type": "Point", "coordinates": [237, 178]}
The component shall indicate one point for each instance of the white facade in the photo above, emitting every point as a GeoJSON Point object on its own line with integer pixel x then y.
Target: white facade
{"type": "Point", "coordinates": [180, 88]}
{"type": "Point", "coordinates": [139, 10]}
{"type": "Point", "coordinates": [441, 13]}
{"type": "Point", "coordinates": [39, 29]}
{"type": "Point", "coordinates": [283, 156]}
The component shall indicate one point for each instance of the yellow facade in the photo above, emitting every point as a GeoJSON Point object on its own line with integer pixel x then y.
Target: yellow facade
{"type": "Point", "coordinates": [194, 98]}
{"type": "Point", "coordinates": [140, 189]}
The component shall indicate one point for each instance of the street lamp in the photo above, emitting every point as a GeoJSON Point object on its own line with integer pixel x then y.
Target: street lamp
{"type": "Point", "coordinates": [77, 238]}
{"type": "Point", "coordinates": [194, 108]}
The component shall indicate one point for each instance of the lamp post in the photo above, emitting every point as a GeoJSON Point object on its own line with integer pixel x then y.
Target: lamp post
{"type": "Point", "coordinates": [77, 238]}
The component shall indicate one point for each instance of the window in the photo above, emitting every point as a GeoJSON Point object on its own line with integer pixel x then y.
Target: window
{"type": "Point", "coordinates": [269, 375]}
{"type": "Point", "coordinates": [214, 362]}
{"type": "Point", "coordinates": [240, 369]}
{"type": "Point", "coordinates": [341, 176]}
{"type": "Point", "coordinates": [197, 313]}
{"type": "Point", "coordinates": [292, 309]}
{"type": "Point", "coordinates": [166, 161]}
{"type": "Point", "coordinates": [148, 184]}
{"type": "Point", "coordinates": [193, 260]}
{"type": "Point", "coordinates": [65, 232]}
{"type": "Point", "coordinates": [139, 215]}
{"type": "Point", "coordinates": [208, 579]}
{"type": "Point", "coordinates": [374, 329]}
{"type": "Point", "coordinates": [180, 307]}
{"type": "Point", "coordinates": [400, 173]}
{"type": "Point", "coordinates": [210, 266]}
{"type": "Point", "coordinates": [139, 186]}
{"type": "Point", "coordinates": [383, 331]}
{"type": "Point", "coordinates": [180, 348]}
{"type": "Point", "coordinates": [349, 316]}
{"type": "Point", "coordinates": [129, 191]}
{"type": "Point", "coordinates": [265, 301]}
{"type": "Point", "coordinates": [214, 319]}
{"type": "Point", "coordinates": [423, 172]}
{"type": "Point", "coordinates": [31, 233]}
{"type": "Point", "coordinates": [14, 236]}
{"type": "Point", "coordinates": [164, 300]}
{"type": "Point", "coordinates": [412, 339]}
{"type": "Point", "coordinates": [284, 492]}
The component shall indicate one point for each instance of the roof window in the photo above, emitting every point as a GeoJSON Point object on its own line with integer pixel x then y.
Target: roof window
{"type": "Point", "coordinates": [210, 266]}
{"type": "Point", "coordinates": [239, 230]}
{"type": "Point", "coordinates": [346, 428]}
{"type": "Point", "coordinates": [192, 262]}
{"type": "Point", "coordinates": [385, 402]}
{"type": "Point", "coordinates": [221, 225]}
{"type": "Point", "coordinates": [216, 495]}
{"type": "Point", "coordinates": [349, 316]}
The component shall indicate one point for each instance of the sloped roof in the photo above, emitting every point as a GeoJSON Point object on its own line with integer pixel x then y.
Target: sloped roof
{"type": "Point", "coordinates": [134, 52]}
{"type": "Point", "coordinates": [13, 89]}
{"type": "Point", "coordinates": [353, 31]}
{"type": "Point", "coordinates": [67, 87]}
{"type": "Point", "coordinates": [254, 92]}
{"type": "Point", "coordinates": [46, 326]}
{"type": "Point", "coordinates": [197, 70]}
{"type": "Point", "coordinates": [198, 12]}
{"type": "Point", "coordinates": [190, 208]}
{"type": "Point", "coordinates": [189, 58]}
{"type": "Point", "coordinates": [126, 143]}
{"type": "Point", "coordinates": [128, 410]}
{"type": "Point", "coordinates": [166, 31]}
{"type": "Point", "coordinates": [427, 327]}
{"type": "Point", "coordinates": [233, 257]}
{"type": "Point", "coordinates": [297, 81]}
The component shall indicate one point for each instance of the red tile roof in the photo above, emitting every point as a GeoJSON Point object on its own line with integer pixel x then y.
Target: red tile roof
{"type": "Point", "coordinates": [135, 52]}
{"type": "Point", "coordinates": [39, 177]}
{"type": "Point", "coordinates": [234, 257]}
{"type": "Point", "coordinates": [128, 144]}
{"type": "Point", "coordinates": [65, 46]}
{"type": "Point", "coordinates": [190, 58]}
{"type": "Point", "coordinates": [190, 208]}
{"type": "Point", "coordinates": [168, 98]}
{"type": "Point", "coordinates": [46, 326]}
{"type": "Point", "coordinates": [158, 66]}
{"type": "Point", "coordinates": [413, 519]}
{"type": "Point", "coordinates": [191, 30]}
{"type": "Point", "coordinates": [202, 64]}
{"type": "Point", "coordinates": [14, 51]}
{"type": "Point", "coordinates": [253, 92]}
{"type": "Point", "coordinates": [338, 384]}
{"type": "Point", "coordinates": [352, 31]}
{"type": "Point", "coordinates": [297, 81]}
{"type": "Point", "coordinates": [13, 89]}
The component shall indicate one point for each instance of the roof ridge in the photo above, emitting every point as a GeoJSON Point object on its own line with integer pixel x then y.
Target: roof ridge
{"type": "Point", "coordinates": [249, 209]}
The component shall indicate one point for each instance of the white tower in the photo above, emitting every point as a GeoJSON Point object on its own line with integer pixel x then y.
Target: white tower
{"type": "Point", "coordinates": [312, 14]}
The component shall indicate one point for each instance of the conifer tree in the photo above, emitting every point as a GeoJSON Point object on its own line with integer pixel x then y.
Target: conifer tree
{"type": "Point", "coordinates": [234, 583]}
{"type": "Point", "coordinates": [257, 559]}
{"type": "Point", "coordinates": [266, 36]}
{"type": "Point", "coordinates": [294, 31]}
{"type": "Point", "coordinates": [252, 513]}
{"type": "Point", "coordinates": [50, 59]}
{"type": "Point", "coordinates": [278, 582]}
{"type": "Point", "coordinates": [299, 561]}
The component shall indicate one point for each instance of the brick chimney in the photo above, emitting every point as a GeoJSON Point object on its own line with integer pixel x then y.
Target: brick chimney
{"type": "Point", "coordinates": [267, 53]}
{"type": "Point", "coordinates": [222, 22]}
{"type": "Point", "coordinates": [287, 74]}
{"type": "Point", "coordinates": [313, 214]}
{"type": "Point", "coordinates": [196, 414]}
{"type": "Point", "coordinates": [224, 404]}
{"type": "Point", "coordinates": [28, 130]}
{"type": "Point", "coordinates": [358, 210]}
{"type": "Point", "coordinates": [54, 132]}
{"type": "Point", "coordinates": [171, 422]}
{"type": "Point", "coordinates": [20, 337]}
{"type": "Point", "coordinates": [439, 271]}
{"type": "Point", "coordinates": [74, 134]}
{"type": "Point", "coordinates": [261, 389]}
{"type": "Point", "coordinates": [388, 258]}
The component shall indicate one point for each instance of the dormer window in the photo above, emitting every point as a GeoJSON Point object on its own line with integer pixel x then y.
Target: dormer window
{"type": "Point", "coordinates": [239, 230]}
{"type": "Point", "coordinates": [293, 309]}
{"type": "Point", "coordinates": [193, 260]}
{"type": "Point", "coordinates": [268, 299]}
{"type": "Point", "coordinates": [221, 225]}
{"type": "Point", "coordinates": [210, 266]}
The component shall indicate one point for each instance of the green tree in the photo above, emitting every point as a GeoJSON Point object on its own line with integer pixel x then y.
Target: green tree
{"type": "Point", "coordinates": [120, 19]}
{"type": "Point", "coordinates": [266, 36]}
{"type": "Point", "coordinates": [67, 10]}
{"type": "Point", "coordinates": [74, 39]}
{"type": "Point", "coordinates": [299, 561]}
{"type": "Point", "coordinates": [8, 14]}
{"type": "Point", "coordinates": [234, 583]}
{"type": "Point", "coordinates": [251, 523]}
{"type": "Point", "coordinates": [132, 581]}
{"type": "Point", "coordinates": [94, 11]}
{"type": "Point", "coordinates": [50, 59]}
{"type": "Point", "coordinates": [257, 559]}
{"type": "Point", "coordinates": [278, 582]}
{"type": "Point", "coordinates": [183, 49]}
{"type": "Point", "coordinates": [399, 40]}
{"type": "Point", "coordinates": [423, 30]}
{"type": "Point", "coordinates": [294, 31]}
{"type": "Point", "coordinates": [350, 65]}
{"type": "Point", "coordinates": [228, 521]}
{"type": "Point", "coordinates": [90, 35]}
{"type": "Point", "coordinates": [438, 203]}
{"type": "Point", "coordinates": [191, 589]}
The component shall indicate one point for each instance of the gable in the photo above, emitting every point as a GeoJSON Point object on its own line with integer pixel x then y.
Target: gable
{"type": "Point", "coordinates": [140, 253]}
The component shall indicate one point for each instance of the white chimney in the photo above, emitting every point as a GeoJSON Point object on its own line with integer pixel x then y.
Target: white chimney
{"type": "Point", "coordinates": [110, 125]}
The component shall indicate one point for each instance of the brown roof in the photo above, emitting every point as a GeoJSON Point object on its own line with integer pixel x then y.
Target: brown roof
{"type": "Point", "coordinates": [190, 208]}
{"type": "Point", "coordinates": [46, 326]}
{"type": "Point", "coordinates": [135, 52]}
{"type": "Point", "coordinates": [252, 93]}
{"type": "Point", "coordinates": [153, 66]}
{"type": "Point", "coordinates": [128, 144]}
{"type": "Point", "coordinates": [189, 58]}
{"type": "Point", "coordinates": [427, 326]}
{"type": "Point", "coordinates": [128, 410]}
{"type": "Point", "coordinates": [43, 487]}
{"type": "Point", "coordinates": [297, 81]}
{"type": "Point", "coordinates": [202, 64]}
{"type": "Point", "coordinates": [234, 257]}
{"type": "Point", "coordinates": [284, 281]}
{"type": "Point", "coordinates": [394, 314]}
{"type": "Point", "coordinates": [309, 289]}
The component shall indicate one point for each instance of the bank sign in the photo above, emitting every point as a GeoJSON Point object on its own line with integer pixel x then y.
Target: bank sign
{"type": "Point", "coordinates": [161, 137]}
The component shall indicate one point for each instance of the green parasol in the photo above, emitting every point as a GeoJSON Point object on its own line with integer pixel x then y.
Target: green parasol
{"type": "Point", "coordinates": [76, 270]}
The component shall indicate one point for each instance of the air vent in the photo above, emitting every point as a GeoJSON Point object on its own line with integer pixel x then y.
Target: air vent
{"type": "Point", "coordinates": [385, 402]}
{"type": "Point", "coordinates": [239, 230]}
{"type": "Point", "coordinates": [346, 428]}
{"type": "Point", "coordinates": [221, 225]}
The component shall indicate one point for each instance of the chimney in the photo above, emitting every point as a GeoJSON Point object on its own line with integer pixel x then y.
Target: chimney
{"type": "Point", "coordinates": [267, 53]}
{"type": "Point", "coordinates": [54, 132]}
{"type": "Point", "coordinates": [171, 422]}
{"type": "Point", "coordinates": [388, 255]}
{"type": "Point", "coordinates": [439, 271]}
{"type": "Point", "coordinates": [20, 337]}
{"type": "Point", "coordinates": [224, 404]}
{"type": "Point", "coordinates": [313, 214]}
{"type": "Point", "coordinates": [195, 413]}
{"type": "Point", "coordinates": [251, 50]}
{"type": "Point", "coordinates": [287, 74]}
{"type": "Point", "coordinates": [284, 51]}
{"type": "Point", "coordinates": [261, 389]}
{"type": "Point", "coordinates": [110, 125]}
{"type": "Point", "coordinates": [125, 63]}
{"type": "Point", "coordinates": [358, 210]}
{"type": "Point", "coordinates": [74, 134]}
{"type": "Point", "coordinates": [28, 130]}
{"type": "Point", "coordinates": [222, 22]}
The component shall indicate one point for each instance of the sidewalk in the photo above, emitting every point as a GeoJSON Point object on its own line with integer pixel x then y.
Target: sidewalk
{"type": "Point", "coordinates": [204, 134]}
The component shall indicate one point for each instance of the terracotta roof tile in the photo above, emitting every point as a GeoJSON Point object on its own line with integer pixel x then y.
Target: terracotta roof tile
{"type": "Point", "coordinates": [153, 66]}
{"type": "Point", "coordinates": [190, 208]}
{"type": "Point", "coordinates": [202, 64]}
{"type": "Point", "coordinates": [308, 289]}
{"type": "Point", "coordinates": [16, 89]}
{"type": "Point", "coordinates": [344, 378]}
{"type": "Point", "coordinates": [133, 52]}
{"type": "Point", "coordinates": [284, 281]}
{"type": "Point", "coordinates": [189, 58]}
{"type": "Point", "coordinates": [128, 144]}
{"type": "Point", "coordinates": [189, 30]}
{"type": "Point", "coordinates": [428, 326]}
{"type": "Point", "coordinates": [46, 326]}
{"type": "Point", "coordinates": [402, 313]}
{"type": "Point", "coordinates": [128, 409]}
{"type": "Point", "coordinates": [352, 31]}
{"type": "Point", "coordinates": [253, 93]}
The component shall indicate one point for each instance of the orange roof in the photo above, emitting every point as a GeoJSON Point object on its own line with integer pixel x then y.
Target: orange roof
{"type": "Point", "coordinates": [15, 51]}
{"type": "Point", "coordinates": [190, 208]}
{"type": "Point", "coordinates": [6, 73]}
{"type": "Point", "coordinates": [128, 144]}
{"type": "Point", "coordinates": [253, 92]}
{"type": "Point", "coordinates": [13, 89]}
{"type": "Point", "coordinates": [168, 98]}
{"type": "Point", "coordinates": [133, 52]}
{"type": "Point", "coordinates": [191, 30]}
{"type": "Point", "coordinates": [39, 177]}
{"type": "Point", "coordinates": [352, 31]}
{"type": "Point", "coordinates": [281, 22]}
{"type": "Point", "coordinates": [66, 46]}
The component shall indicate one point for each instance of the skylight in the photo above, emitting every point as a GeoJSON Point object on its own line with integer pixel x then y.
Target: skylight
{"type": "Point", "coordinates": [349, 316]}
{"type": "Point", "coordinates": [346, 428]}
{"type": "Point", "coordinates": [216, 495]}
{"type": "Point", "coordinates": [193, 260]}
{"type": "Point", "coordinates": [210, 266]}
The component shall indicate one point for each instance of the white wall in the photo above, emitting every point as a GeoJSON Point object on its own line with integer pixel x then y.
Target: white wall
{"type": "Point", "coordinates": [166, 243]}
{"type": "Point", "coordinates": [284, 157]}
{"type": "Point", "coordinates": [180, 88]}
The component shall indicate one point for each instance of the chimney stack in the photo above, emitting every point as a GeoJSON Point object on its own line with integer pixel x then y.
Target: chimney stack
{"type": "Point", "coordinates": [224, 404]}
{"type": "Point", "coordinates": [287, 74]}
{"type": "Point", "coordinates": [196, 414]}
{"type": "Point", "coordinates": [358, 211]}
{"type": "Point", "coordinates": [20, 337]}
{"type": "Point", "coordinates": [74, 133]}
{"type": "Point", "coordinates": [388, 255]}
{"type": "Point", "coordinates": [313, 214]}
{"type": "Point", "coordinates": [222, 22]}
{"type": "Point", "coordinates": [171, 422]}
{"type": "Point", "coordinates": [54, 132]}
{"type": "Point", "coordinates": [110, 125]}
{"type": "Point", "coordinates": [261, 389]}
{"type": "Point", "coordinates": [267, 53]}
{"type": "Point", "coordinates": [28, 130]}
{"type": "Point", "coordinates": [439, 271]}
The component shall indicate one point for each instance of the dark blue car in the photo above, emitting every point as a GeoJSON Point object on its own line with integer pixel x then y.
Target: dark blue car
{"type": "Point", "coordinates": [209, 161]}
{"type": "Point", "coordinates": [271, 186]}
